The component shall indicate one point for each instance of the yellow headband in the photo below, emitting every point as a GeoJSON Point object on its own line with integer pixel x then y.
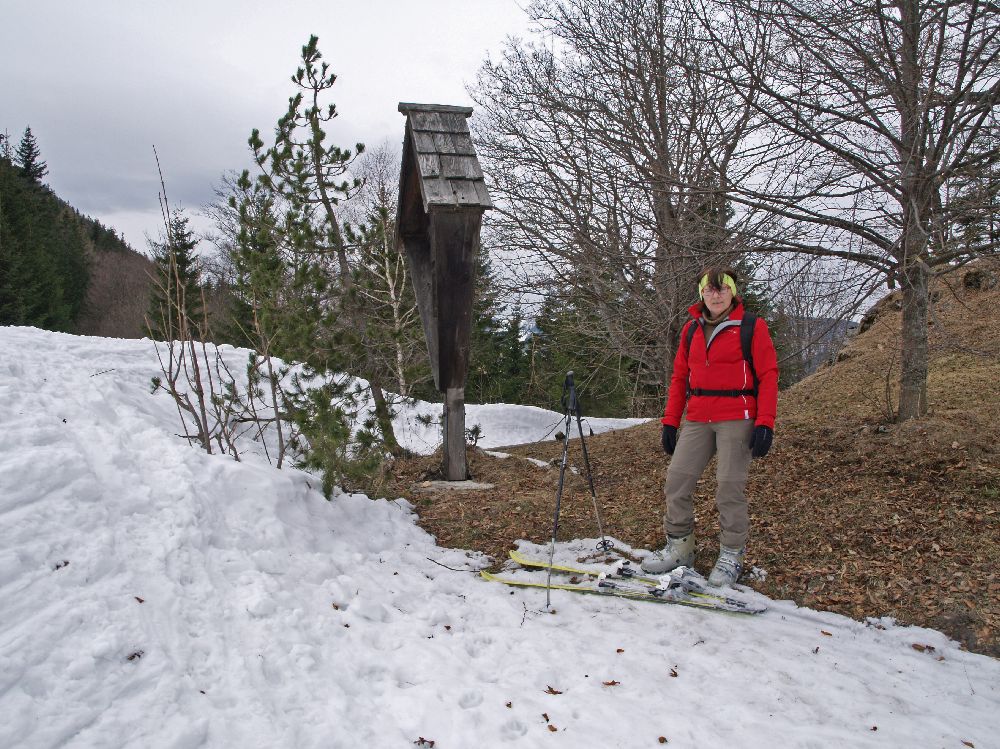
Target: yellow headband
{"type": "Point", "coordinates": [726, 280]}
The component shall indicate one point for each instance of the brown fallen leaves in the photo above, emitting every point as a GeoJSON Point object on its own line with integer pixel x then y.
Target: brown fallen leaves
{"type": "Point", "coordinates": [831, 529]}
{"type": "Point", "coordinates": [849, 513]}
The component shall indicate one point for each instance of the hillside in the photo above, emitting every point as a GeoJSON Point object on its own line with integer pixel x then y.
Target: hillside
{"type": "Point", "coordinates": [119, 288]}
{"type": "Point", "coordinates": [851, 513]}
{"type": "Point", "coordinates": [61, 270]}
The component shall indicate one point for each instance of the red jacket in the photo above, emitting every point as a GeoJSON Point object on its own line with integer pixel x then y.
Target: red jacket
{"type": "Point", "coordinates": [722, 367]}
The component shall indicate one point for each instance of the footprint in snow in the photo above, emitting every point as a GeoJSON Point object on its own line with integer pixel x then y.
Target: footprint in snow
{"type": "Point", "coordinates": [512, 730]}
{"type": "Point", "coordinates": [470, 700]}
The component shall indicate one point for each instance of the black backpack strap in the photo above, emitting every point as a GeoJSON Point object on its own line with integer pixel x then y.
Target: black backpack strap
{"type": "Point", "coordinates": [746, 341]}
{"type": "Point", "coordinates": [747, 325]}
{"type": "Point", "coordinates": [689, 335]}
{"type": "Point", "coordinates": [721, 393]}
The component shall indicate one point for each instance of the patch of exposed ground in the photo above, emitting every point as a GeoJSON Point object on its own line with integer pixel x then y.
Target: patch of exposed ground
{"type": "Point", "coordinates": [850, 512]}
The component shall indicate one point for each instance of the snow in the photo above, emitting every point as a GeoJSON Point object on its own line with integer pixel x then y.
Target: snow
{"type": "Point", "coordinates": [152, 595]}
{"type": "Point", "coordinates": [501, 425]}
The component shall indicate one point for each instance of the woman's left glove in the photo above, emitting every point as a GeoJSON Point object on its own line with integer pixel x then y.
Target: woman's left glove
{"type": "Point", "coordinates": [760, 443]}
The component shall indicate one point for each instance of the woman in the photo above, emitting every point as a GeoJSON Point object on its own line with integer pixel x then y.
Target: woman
{"type": "Point", "coordinates": [731, 404]}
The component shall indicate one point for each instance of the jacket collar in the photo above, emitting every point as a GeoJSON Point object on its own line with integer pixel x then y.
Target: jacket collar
{"type": "Point", "coordinates": [737, 314]}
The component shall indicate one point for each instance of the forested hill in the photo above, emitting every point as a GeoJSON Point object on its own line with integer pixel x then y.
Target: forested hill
{"type": "Point", "coordinates": [61, 270]}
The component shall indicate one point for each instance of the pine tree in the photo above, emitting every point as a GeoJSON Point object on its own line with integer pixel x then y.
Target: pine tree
{"type": "Point", "coordinates": [313, 178]}
{"type": "Point", "coordinates": [6, 151]}
{"type": "Point", "coordinates": [176, 297]}
{"type": "Point", "coordinates": [485, 383]}
{"type": "Point", "coordinates": [28, 157]}
{"type": "Point", "coordinates": [43, 268]}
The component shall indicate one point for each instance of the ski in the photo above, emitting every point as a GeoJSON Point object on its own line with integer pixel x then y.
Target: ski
{"type": "Point", "coordinates": [620, 590]}
{"type": "Point", "coordinates": [624, 572]}
{"type": "Point", "coordinates": [682, 586]}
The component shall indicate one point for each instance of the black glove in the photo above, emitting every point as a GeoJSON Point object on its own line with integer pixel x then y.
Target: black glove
{"type": "Point", "coordinates": [760, 443]}
{"type": "Point", "coordinates": [669, 439]}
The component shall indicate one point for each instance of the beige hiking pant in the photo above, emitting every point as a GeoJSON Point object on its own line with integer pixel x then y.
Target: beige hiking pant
{"type": "Point", "coordinates": [697, 442]}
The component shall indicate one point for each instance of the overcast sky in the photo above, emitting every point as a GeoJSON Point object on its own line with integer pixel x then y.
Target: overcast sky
{"type": "Point", "coordinates": [102, 82]}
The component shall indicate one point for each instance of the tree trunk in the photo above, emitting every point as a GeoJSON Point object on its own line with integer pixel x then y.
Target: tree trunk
{"type": "Point", "coordinates": [913, 378]}
{"type": "Point", "coordinates": [916, 186]}
{"type": "Point", "coordinates": [384, 417]}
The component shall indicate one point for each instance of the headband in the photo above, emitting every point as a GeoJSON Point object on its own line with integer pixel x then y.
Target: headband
{"type": "Point", "coordinates": [727, 280]}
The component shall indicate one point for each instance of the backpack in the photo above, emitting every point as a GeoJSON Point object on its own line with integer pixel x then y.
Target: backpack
{"type": "Point", "coordinates": [746, 343]}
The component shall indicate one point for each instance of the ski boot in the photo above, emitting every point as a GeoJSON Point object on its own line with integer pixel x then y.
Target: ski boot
{"type": "Point", "coordinates": [679, 552]}
{"type": "Point", "coordinates": [728, 567]}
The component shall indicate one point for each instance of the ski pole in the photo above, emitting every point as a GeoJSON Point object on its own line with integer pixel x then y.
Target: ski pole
{"type": "Point", "coordinates": [571, 408]}
{"type": "Point", "coordinates": [567, 385]}
{"type": "Point", "coordinates": [604, 544]}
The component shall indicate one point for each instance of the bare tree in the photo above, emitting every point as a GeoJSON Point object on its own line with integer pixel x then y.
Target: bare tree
{"type": "Point", "coordinates": [607, 151]}
{"type": "Point", "coordinates": [213, 407]}
{"type": "Point", "coordinates": [814, 301]}
{"type": "Point", "coordinates": [874, 109]}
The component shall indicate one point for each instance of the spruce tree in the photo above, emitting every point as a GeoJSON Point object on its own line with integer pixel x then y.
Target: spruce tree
{"type": "Point", "coordinates": [6, 150]}
{"type": "Point", "coordinates": [43, 268]}
{"type": "Point", "coordinates": [176, 297]}
{"type": "Point", "coordinates": [29, 157]}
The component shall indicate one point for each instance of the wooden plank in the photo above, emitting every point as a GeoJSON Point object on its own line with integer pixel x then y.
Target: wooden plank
{"type": "Point", "coordinates": [484, 196]}
{"type": "Point", "coordinates": [437, 192]}
{"type": "Point", "coordinates": [411, 214]}
{"type": "Point", "coordinates": [453, 143]}
{"type": "Point", "coordinates": [444, 143]}
{"type": "Point", "coordinates": [455, 247]}
{"type": "Point", "coordinates": [464, 191]}
{"type": "Point", "coordinates": [463, 145]}
{"type": "Point", "coordinates": [430, 165]}
{"type": "Point", "coordinates": [418, 259]}
{"type": "Point", "coordinates": [424, 142]}
{"type": "Point", "coordinates": [432, 121]}
{"type": "Point", "coordinates": [454, 123]}
{"type": "Point", "coordinates": [462, 167]}
{"type": "Point", "coordinates": [406, 106]}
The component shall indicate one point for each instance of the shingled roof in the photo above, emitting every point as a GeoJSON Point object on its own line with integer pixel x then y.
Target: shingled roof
{"type": "Point", "coordinates": [438, 145]}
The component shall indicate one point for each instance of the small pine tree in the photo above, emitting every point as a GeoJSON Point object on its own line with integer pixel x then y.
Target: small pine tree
{"type": "Point", "coordinates": [6, 151]}
{"type": "Point", "coordinates": [28, 157]}
{"type": "Point", "coordinates": [176, 297]}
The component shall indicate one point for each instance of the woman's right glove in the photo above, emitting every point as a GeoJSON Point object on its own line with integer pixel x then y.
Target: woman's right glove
{"type": "Point", "coordinates": [669, 439]}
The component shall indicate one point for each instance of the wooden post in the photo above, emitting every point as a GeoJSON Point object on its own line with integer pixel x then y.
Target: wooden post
{"type": "Point", "coordinates": [454, 465]}
{"type": "Point", "coordinates": [442, 197]}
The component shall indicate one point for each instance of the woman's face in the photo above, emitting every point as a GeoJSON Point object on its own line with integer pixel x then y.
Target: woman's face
{"type": "Point", "coordinates": [717, 300]}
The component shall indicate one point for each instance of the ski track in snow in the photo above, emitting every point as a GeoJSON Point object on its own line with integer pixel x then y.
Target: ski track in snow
{"type": "Point", "coordinates": [271, 617]}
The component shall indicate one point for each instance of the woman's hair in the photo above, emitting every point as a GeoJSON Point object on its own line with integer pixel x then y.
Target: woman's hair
{"type": "Point", "coordinates": [715, 274]}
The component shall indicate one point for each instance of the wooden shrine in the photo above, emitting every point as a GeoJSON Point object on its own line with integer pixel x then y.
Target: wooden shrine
{"type": "Point", "coordinates": [442, 198]}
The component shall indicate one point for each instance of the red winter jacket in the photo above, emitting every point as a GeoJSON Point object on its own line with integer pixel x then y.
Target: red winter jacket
{"type": "Point", "coordinates": [722, 367]}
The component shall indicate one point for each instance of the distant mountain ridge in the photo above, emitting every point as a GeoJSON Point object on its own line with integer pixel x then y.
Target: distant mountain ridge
{"type": "Point", "coordinates": [824, 337]}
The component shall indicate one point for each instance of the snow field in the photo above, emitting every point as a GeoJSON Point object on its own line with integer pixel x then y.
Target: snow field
{"type": "Point", "coordinates": [155, 596]}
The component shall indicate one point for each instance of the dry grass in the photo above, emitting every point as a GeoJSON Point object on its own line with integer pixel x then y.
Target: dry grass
{"type": "Point", "coordinates": [850, 512]}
